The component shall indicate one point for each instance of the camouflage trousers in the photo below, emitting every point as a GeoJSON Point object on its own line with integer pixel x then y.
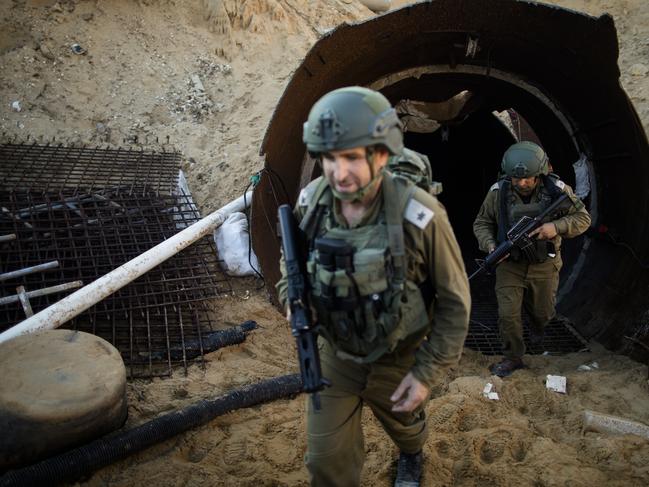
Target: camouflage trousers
{"type": "Point", "coordinates": [533, 287]}
{"type": "Point", "coordinates": [335, 446]}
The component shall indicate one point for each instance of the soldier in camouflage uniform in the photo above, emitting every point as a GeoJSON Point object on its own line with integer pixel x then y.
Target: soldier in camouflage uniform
{"type": "Point", "coordinates": [523, 280]}
{"type": "Point", "coordinates": [388, 287]}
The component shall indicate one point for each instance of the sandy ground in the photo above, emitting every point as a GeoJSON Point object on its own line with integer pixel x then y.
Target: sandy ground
{"type": "Point", "coordinates": [133, 86]}
{"type": "Point", "coordinates": [531, 436]}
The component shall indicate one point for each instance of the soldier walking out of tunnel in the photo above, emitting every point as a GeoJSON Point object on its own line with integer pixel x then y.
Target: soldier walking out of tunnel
{"type": "Point", "coordinates": [527, 278]}
{"type": "Point", "coordinates": [387, 285]}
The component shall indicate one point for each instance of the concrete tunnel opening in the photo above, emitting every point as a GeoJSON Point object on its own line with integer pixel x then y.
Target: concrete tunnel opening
{"type": "Point", "coordinates": [460, 65]}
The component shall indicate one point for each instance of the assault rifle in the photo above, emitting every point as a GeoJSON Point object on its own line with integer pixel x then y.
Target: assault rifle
{"type": "Point", "coordinates": [301, 319]}
{"type": "Point", "coordinates": [517, 236]}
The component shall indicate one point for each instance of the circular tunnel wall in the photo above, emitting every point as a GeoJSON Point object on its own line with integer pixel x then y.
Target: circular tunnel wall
{"type": "Point", "coordinates": [564, 81]}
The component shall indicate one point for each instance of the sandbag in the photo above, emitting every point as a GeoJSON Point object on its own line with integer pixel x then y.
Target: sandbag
{"type": "Point", "coordinates": [232, 242]}
{"type": "Point", "coordinates": [59, 389]}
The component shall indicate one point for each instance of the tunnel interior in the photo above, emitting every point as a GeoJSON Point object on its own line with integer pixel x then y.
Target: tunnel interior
{"type": "Point", "coordinates": [464, 158]}
{"type": "Point", "coordinates": [564, 86]}
{"type": "Point", "coordinates": [465, 151]}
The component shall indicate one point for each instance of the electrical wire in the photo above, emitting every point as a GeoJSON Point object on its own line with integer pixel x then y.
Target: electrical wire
{"type": "Point", "coordinates": [254, 181]}
{"type": "Point", "coordinates": [273, 173]}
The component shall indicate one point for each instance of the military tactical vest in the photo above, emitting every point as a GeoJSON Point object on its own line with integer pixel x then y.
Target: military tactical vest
{"type": "Point", "coordinates": [512, 210]}
{"type": "Point", "coordinates": [363, 300]}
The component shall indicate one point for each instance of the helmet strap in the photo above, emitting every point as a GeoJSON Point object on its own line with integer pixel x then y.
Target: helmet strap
{"type": "Point", "coordinates": [359, 194]}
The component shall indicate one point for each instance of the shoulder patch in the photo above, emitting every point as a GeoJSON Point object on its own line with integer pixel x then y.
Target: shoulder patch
{"type": "Point", "coordinates": [560, 184]}
{"type": "Point", "coordinates": [307, 192]}
{"type": "Point", "coordinates": [303, 199]}
{"type": "Point", "coordinates": [418, 214]}
{"type": "Point", "coordinates": [494, 187]}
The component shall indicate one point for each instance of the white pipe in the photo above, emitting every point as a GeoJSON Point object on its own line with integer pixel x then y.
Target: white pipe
{"type": "Point", "coordinates": [605, 423]}
{"type": "Point", "coordinates": [79, 301]}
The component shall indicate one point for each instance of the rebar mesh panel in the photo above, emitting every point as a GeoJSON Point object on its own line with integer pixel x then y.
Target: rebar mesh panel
{"type": "Point", "coordinates": [92, 234]}
{"type": "Point", "coordinates": [154, 340]}
{"type": "Point", "coordinates": [92, 221]}
{"type": "Point", "coordinates": [560, 336]}
{"type": "Point", "coordinates": [53, 168]}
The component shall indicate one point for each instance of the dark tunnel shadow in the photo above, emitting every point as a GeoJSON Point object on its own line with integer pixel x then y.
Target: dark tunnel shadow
{"type": "Point", "coordinates": [465, 158]}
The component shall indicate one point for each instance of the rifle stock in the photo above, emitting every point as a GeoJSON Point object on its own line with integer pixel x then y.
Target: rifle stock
{"type": "Point", "coordinates": [301, 319]}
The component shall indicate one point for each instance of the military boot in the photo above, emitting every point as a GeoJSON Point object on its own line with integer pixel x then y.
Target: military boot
{"type": "Point", "coordinates": [409, 470]}
{"type": "Point", "coordinates": [506, 367]}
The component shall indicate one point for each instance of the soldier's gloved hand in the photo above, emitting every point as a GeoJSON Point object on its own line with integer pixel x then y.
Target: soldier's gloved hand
{"type": "Point", "coordinates": [491, 248]}
{"type": "Point", "coordinates": [545, 231]}
{"type": "Point", "coordinates": [410, 394]}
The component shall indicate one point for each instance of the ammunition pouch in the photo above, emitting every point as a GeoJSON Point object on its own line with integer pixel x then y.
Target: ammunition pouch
{"type": "Point", "coordinates": [358, 308]}
{"type": "Point", "coordinates": [532, 250]}
{"type": "Point", "coordinates": [334, 258]}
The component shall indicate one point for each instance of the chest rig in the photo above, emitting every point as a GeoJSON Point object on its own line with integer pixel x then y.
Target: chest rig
{"type": "Point", "coordinates": [364, 302]}
{"type": "Point", "coordinates": [511, 210]}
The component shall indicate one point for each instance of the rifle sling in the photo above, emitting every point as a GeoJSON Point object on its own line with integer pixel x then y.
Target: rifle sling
{"type": "Point", "coordinates": [503, 220]}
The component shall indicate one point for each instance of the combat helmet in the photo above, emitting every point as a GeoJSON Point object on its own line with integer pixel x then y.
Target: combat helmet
{"type": "Point", "coordinates": [525, 160]}
{"type": "Point", "coordinates": [352, 117]}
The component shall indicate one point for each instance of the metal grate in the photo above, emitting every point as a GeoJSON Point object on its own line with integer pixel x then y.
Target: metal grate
{"type": "Point", "coordinates": [151, 340]}
{"type": "Point", "coordinates": [90, 231]}
{"type": "Point", "coordinates": [484, 336]}
{"type": "Point", "coordinates": [52, 168]}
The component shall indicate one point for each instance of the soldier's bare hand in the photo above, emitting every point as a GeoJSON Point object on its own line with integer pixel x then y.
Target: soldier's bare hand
{"type": "Point", "coordinates": [410, 394]}
{"type": "Point", "coordinates": [545, 231]}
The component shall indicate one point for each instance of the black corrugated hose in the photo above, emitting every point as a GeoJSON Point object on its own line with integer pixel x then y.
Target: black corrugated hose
{"type": "Point", "coordinates": [75, 464]}
{"type": "Point", "coordinates": [208, 342]}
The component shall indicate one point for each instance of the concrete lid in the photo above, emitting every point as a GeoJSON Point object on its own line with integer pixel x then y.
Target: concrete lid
{"type": "Point", "coordinates": [59, 375]}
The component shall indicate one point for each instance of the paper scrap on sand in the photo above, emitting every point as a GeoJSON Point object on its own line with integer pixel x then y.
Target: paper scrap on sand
{"type": "Point", "coordinates": [587, 367]}
{"type": "Point", "coordinates": [556, 383]}
{"type": "Point", "coordinates": [487, 392]}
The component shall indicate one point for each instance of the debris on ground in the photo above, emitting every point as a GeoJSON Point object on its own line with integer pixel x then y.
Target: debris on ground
{"type": "Point", "coordinates": [556, 383]}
